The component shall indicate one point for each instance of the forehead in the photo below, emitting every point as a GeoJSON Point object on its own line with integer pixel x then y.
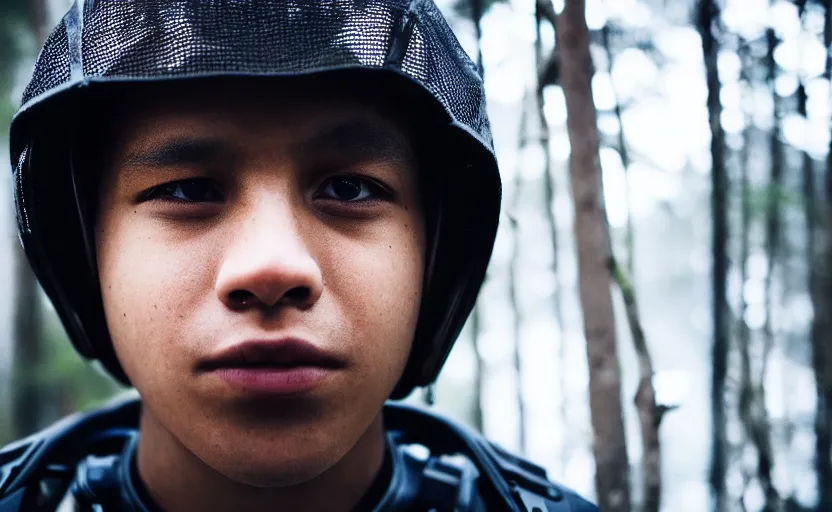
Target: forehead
{"type": "Point", "coordinates": [271, 112]}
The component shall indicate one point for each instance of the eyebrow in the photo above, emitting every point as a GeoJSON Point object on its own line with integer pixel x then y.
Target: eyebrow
{"type": "Point", "coordinates": [183, 151]}
{"type": "Point", "coordinates": [356, 139]}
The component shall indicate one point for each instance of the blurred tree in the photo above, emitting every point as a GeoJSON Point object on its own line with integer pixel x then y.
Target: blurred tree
{"type": "Point", "coordinates": [29, 390]}
{"type": "Point", "coordinates": [474, 9]}
{"type": "Point", "coordinates": [12, 21]}
{"type": "Point", "coordinates": [517, 322]}
{"type": "Point", "coordinates": [479, 369]}
{"type": "Point", "coordinates": [819, 229]}
{"type": "Point", "coordinates": [13, 17]}
{"type": "Point", "coordinates": [545, 12]}
{"type": "Point", "coordinates": [650, 414]}
{"type": "Point", "coordinates": [75, 384]}
{"type": "Point", "coordinates": [743, 329]}
{"type": "Point", "coordinates": [548, 68]}
{"type": "Point", "coordinates": [822, 328]}
{"type": "Point", "coordinates": [593, 247]}
{"type": "Point", "coordinates": [751, 400]}
{"type": "Point", "coordinates": [777, 200]}
{"type": "Point", "coordinates": [38, 16]}
{"type": "Point", "coordinates": [629, 237]}
{"type": "Point", "coordinates": [29, 408]}
{"type": "Point", "coordinates": [708, 15]}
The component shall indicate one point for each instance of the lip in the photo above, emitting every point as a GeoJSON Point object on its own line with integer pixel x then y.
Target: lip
{"type": "Point", "coordinates": [277, 367]}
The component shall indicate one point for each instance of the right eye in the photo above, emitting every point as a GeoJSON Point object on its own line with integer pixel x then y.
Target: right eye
{"type": "Point", "coordinates": [194, 190]}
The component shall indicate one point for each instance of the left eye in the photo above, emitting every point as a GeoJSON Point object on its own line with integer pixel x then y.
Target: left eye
{"type": "Point", "coordinates": [194, 190]}
{"type": "Point", "coordinates": [350, 189]}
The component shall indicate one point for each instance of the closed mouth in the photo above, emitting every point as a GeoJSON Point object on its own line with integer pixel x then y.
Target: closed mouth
{"type": "Point", "coordinates": [267, 354]}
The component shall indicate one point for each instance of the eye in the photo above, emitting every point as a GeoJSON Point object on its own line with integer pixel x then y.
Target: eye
{"type": "Point", "coordinates": [352, 189]}
{"type": "Point", "coordinates": [195, 190]}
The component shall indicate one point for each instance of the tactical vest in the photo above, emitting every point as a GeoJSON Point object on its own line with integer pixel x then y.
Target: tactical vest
{"type": "Point", "coordinates": [82, 464]}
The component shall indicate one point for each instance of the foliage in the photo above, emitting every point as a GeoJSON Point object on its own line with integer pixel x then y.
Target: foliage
{"type": "Point", "coordinates": [769, 198]}
{"type": "Point", "coordinates": [71, 383]}
{"type": "Point", "coordinates": [78, 383]}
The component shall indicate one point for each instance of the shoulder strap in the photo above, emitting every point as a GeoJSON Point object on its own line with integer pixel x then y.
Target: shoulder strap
{"type": "Point", "coordinates": [510, 482]}
{"type": "Point", "coordinates": [54, 451]}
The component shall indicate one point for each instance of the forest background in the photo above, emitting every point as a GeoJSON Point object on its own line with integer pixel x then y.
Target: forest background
{"type": "Point", "coordinates": [655, 326]}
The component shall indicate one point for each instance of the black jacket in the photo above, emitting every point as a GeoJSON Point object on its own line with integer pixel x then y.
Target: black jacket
{"type": "Point", "coordinates": [86, 461]}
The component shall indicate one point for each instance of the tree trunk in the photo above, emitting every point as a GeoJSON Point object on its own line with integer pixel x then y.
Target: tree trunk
{"type": "Point", "coordinates": [476, 18]}
{"type": "Point", "coordinates": [650, 416]}
{"type": "Point", "coordinates": [752, 401]}
{"type": "Point", "coordinates": [593, 246]}
{"type": "Point", "coordinates": [38, 10]}
{"type": "Point", "coordinates": [743, 330]}
{"type": "Point", "coordinates": [518, 364]}
{"type": "Point", "coordinates": [822, 350]}
{"type": "Point", "coordinates": [629, 239]}
{"type": "Point", "coordinates": [479, 370]}
{"type": "Point", "coordinates": [28, 388]}
{"type": "Point", "coordinates": [28, 396]}
{"type": "Point", "coordinates": [708, 15]}
{"type": "Point", "coordinates": [549, 195]}
{"type": "Point", "coordinates": [820, 284]}
{"type": "Point", "coordinates": [512, 277]}
{"type": "Point", "coordinates": [645, 399]}
{"type": "Point", "coordinates": [778, 164]}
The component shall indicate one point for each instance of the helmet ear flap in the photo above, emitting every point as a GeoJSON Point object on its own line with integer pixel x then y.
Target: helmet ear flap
{"type": "Point", "coordinates": [82, 202]}
{"type": "Point", "coordinates": [57, 241]}
{"type": "Point", "coordinates": [466, 208]}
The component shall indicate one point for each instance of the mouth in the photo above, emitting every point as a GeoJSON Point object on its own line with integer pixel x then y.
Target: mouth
{"type": "Point", "coordinates": [274, 367]}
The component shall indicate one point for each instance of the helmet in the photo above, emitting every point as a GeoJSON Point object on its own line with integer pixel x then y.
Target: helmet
{"type": "Point", "coordinates": [405, 46]}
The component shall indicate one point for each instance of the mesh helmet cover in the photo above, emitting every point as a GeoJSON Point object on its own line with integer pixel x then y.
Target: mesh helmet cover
{"type": "Point", "coordinates": [407, 43]}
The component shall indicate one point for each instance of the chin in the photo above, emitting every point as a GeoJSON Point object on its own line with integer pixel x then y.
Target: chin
{"type": "Point", "coordinates": [271, 475]}
{"type": "Point", "coordinates": [259, 469]}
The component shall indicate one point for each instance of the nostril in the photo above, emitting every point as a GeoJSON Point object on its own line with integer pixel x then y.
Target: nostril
{"type": "Point", "coordinates": [299, 294]}
{"type": "Point", "coordinates": [244, 298]}
{"type": "Point", "coordinates": [240, 297]}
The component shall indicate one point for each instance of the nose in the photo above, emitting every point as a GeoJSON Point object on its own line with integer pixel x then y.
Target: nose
{"type": "Point", "coordinates": [267, 263]}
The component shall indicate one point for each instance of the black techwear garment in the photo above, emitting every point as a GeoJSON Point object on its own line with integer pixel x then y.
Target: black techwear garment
{"type": "Point", "coordinates": [432, 464]}
{"type": "Point", "coordinates": [404, 47]}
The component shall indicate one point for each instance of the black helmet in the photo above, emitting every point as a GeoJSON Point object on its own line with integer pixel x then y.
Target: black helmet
{"type": "Point", "coordinates": [405, 45]}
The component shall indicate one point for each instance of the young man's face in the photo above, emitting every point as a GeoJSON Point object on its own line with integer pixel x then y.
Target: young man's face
{"type": "Point", "coordinates": [242, 229]}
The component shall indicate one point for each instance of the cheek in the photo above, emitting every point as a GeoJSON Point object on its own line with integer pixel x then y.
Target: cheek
{"type": "Point", "coordinates": [149, 290]}
{"type": "Point", "coordinates": [377, 286]}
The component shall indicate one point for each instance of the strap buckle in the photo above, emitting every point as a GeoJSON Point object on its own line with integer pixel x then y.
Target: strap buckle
{"type": "Point", "coordinates": [529, 485]}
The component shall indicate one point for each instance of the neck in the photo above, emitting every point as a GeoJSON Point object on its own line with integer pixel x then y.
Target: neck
{"type": "Point", "coordinates": [172, 474]}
